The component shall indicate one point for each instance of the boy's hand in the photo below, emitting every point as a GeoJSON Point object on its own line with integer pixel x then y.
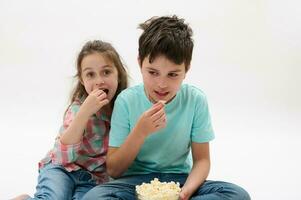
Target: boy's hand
{"type": "Point", "coordinates": [184, 194]}
{"type": "Point", "coordinates": [153, 119]}
{"type": "Point", "coordinates": [94, 102]}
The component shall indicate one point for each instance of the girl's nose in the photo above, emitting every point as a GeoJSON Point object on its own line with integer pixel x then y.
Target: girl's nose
{"type": "Point", "coordinates": [100, 81]}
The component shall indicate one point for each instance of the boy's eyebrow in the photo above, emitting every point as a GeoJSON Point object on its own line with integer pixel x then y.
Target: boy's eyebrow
{"type": "Point", "coordinates": [173, 71]}
{"type": "Point", "coordinates": [177, 70]}
{"type": "Point", "coordinates": [151, 68]}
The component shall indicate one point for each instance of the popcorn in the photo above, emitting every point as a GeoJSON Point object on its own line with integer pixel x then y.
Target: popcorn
{"type": "Point", "coordinates": [156, 190]}
{"type": "Point", "coordinates": [162, 101]}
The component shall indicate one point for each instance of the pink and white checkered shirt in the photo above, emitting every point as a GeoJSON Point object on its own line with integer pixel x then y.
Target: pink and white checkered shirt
{"type": "Point", "coordinates": [90, 153]}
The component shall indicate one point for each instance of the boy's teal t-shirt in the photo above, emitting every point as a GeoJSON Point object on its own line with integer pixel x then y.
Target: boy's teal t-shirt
{"type": "Point", "coordinates": [165, 151]}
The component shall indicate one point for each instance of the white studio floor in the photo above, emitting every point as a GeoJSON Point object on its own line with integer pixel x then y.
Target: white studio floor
{"type": "Point", "coordinates": [268, 166]}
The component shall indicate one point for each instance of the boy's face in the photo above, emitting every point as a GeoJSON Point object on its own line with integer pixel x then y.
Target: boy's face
{"type": "Point", "coordinates": [162, 78]}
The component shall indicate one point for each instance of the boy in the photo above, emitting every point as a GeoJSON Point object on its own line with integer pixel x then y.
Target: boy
{"type": "Point", "coordinates": [157, 123]}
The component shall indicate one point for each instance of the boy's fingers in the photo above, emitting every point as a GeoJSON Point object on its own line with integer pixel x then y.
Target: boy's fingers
{"type": "Point", "coordinates": [158, 115]}
{"type": "Point", "coordinates": [155, 108]}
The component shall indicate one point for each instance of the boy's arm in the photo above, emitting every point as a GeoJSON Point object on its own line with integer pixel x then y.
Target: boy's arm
{"type": "Point", "coordinates": [119, 159]}
{"type": "Point", "coordinates": [200, 169]}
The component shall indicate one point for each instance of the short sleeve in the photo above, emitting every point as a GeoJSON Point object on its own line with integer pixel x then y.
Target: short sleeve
{"type": "Point", "coordinates": [120, 123]}
{"type": "Point", "coordinates": [69, 116]}
{"type": "Point", "coordinates": [61, 153]}
{"type": "Point", "coordinates": [202, 130]}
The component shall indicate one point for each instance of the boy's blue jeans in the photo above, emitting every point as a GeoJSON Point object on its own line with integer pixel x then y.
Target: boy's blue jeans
{"type": "Point", "coordinates": [54, 182]}
{"type": "Point", "coordinates": [124, 188]}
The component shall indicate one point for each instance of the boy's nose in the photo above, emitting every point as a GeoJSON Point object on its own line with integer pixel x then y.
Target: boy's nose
{"type": "Point", "coordinates": [162, 84]}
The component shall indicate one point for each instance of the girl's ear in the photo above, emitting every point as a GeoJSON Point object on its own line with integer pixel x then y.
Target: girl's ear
{"type": "Point", "coordinates": [80, 80]}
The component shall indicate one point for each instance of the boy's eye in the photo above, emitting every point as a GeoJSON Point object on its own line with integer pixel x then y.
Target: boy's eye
{"type": "Point", "coordinates": [153, 73]}
{"type": "Point", "coordinates": [173, 75]}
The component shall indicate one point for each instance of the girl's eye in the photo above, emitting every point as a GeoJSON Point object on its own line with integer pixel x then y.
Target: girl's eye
{"type": "Point", "coordinates": [90, 74]}
{"type": "Point", "coordinates": [107, 72]}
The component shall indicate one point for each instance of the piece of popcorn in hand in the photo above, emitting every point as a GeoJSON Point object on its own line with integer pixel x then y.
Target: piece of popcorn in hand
{"type": "Point", "coordinates": [162, 101]}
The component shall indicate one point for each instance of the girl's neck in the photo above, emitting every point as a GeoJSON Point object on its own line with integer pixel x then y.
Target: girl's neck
{"type": "Point", "coordinates": [107, 110]}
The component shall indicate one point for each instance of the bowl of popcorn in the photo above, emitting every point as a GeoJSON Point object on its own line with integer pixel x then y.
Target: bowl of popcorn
{"type": "Point", "coordinates": [156, 190]}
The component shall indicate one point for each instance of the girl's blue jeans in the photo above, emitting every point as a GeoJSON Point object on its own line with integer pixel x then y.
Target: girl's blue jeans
{"type": "Point", "coordinates": [54, 182]}
{"type": "Point", "coordinates": [124, 188]}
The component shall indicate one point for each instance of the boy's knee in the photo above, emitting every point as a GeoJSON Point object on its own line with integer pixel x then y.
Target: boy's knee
{"type": "Point", "coordinates": [242, 194]}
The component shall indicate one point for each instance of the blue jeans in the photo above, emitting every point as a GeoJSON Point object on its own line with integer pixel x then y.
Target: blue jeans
{"type": "Point", "coordinates": [54, 182]}
{"type": "Point", "coordinates": [124, 188]}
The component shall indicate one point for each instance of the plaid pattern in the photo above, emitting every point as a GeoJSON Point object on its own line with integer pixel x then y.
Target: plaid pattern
{"type": "Point", "coordinates": [90, 153]}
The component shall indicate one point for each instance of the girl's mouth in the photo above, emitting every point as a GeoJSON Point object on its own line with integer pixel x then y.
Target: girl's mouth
{"type": "Point", "coordinates": [105, 90]}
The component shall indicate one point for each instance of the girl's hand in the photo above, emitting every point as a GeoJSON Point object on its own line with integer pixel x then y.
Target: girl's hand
{"type": "Point", "coordinates": [152, 120]}
{"type": "Point", "coordinates": [94, 102]}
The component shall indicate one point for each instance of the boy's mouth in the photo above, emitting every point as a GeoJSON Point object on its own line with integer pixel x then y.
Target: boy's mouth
{"type": "Point", "coordinates": [161, 94]}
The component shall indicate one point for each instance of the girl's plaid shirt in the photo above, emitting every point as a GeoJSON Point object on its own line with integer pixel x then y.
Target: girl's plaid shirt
{"type": "Point", "coordinates": [90, 153]}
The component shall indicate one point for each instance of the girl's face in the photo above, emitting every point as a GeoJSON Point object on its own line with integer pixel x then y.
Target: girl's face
{"type": "Point", "coordinates": [162, 78]}
{"type": "Point", "coordinates": [97, 72]}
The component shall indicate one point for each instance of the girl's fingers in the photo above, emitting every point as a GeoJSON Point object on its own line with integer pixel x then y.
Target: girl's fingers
{"type": "Point", "coordinates": [104, 102]}
{"type": "Point", "coordinates": [99, 92]}
{"type": "Point", "coordinates": [102, 96]}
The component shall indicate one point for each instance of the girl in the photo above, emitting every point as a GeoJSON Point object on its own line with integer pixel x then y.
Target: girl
{"type": "Point", "coordinates": [76, 163]}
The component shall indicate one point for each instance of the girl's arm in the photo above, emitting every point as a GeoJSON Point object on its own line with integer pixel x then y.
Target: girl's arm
{"type": "Point", "coordinates": [200, 169]}
{"type": "Point", "coordinates": [68, 143]}
{"type": "Point", "coordinates": [74, 132]}
{"type": "Point", "coordinates": [119, 159]}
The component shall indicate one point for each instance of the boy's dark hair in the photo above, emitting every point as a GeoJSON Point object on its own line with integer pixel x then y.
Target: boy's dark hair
{"type": "Point", "coordinates": [168, 36]}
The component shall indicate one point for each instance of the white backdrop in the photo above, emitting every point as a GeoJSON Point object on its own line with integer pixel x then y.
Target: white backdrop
{"type": "Point", "coordinates": [246, 59]}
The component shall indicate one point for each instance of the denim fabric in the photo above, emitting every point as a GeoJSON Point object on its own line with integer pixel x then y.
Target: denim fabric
{"type": "Point", "coordinates": [55, 183]}
{"type": "Point", "coordinates": [124, 188]}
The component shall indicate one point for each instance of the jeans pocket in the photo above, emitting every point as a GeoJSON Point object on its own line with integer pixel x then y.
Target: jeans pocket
{"type": "Point", "coordinates": [84, 176]}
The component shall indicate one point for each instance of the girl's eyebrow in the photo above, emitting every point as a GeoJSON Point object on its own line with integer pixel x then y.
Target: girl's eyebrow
{"type": "Point", "coordinates": [104, 66]}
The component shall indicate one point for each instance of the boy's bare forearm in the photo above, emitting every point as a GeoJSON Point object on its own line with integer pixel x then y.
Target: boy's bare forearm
{"type": "Point", "coordinates": [197, 176]}
{"type": "Point", "coordinates": [118, 160]}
